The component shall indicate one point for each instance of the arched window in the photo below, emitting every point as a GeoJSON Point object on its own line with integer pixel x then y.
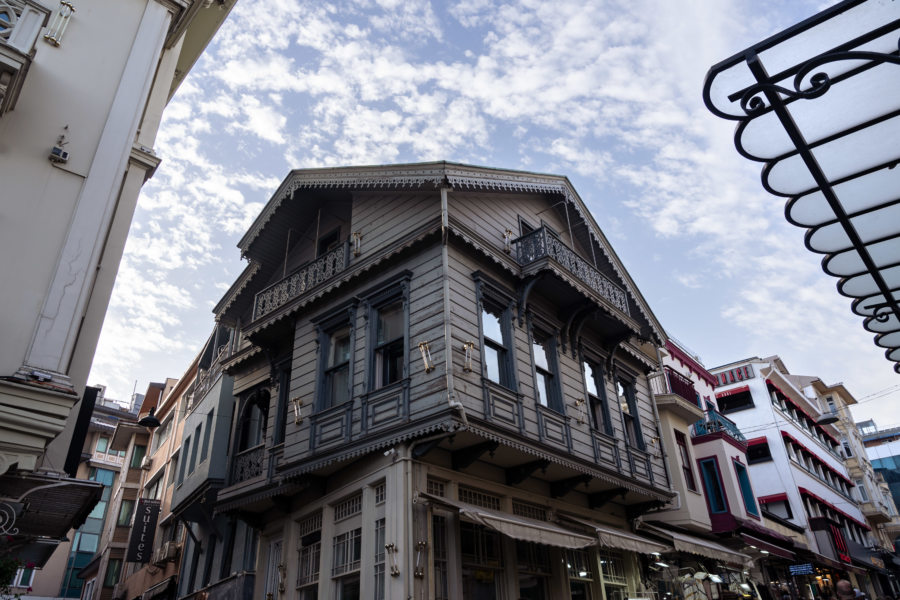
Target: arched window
{"type": "Point", "coordinates": [253, 421]}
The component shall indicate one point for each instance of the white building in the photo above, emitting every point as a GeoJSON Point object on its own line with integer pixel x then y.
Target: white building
{"type": "Point", "coordinates": [796, 464]}
{"type": "Point", "coordinates": [82, 87]}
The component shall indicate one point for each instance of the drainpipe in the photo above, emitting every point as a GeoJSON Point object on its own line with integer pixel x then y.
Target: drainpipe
{"type": "Point", "coordinates": [452, 401]}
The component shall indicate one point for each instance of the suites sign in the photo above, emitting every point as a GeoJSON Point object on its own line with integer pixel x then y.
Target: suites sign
{"type": "Point", "coordinates": [140, 544]}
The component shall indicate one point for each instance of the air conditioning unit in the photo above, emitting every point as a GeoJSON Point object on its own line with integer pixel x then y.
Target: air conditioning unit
{"type": "Point", "coordinates": [159, 558]}
{"type": "Point", "coordinates": [146, 463]}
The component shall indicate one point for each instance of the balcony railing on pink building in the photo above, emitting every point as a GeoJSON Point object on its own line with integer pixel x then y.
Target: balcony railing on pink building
{"type": "Point", "coordinates": [671, 381]}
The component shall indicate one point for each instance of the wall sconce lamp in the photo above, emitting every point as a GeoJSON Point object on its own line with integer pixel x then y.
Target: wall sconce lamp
{"type": "Point", "coordinates": [392, 550]}
{"type": "Point", "coordinates": [59, 23]}
{"type": "Point", "coordinates": [297, 403]}
{"type": "Point", "coordinates": [281, 569]}
{"type": "Point", "coordinates": [426, 357]}
{"type": "Point", "coordinates": [507, 240]}
{"type": "Point", "coordinates": [356, 237]}
{"type": "Point", "coordinates": [579, 404]}
{"type": "Point", "coordinates": [468, 350]}
{"type": "Point", "coordinates": [419, 572]}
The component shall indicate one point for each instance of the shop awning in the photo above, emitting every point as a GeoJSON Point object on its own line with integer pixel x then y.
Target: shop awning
{"type": "Point", "coordinates": [768, 547]}
{"type": "Point", "coordinates": [695, 545]}
{"type": "Point", "coordinates": [516, 527]}
{"type": "Point", "coordinates": [819, 105]}
{"type": "Point", "coordinates": [609, 537]}
{"type": "Point", "coordinates": [738, 390]}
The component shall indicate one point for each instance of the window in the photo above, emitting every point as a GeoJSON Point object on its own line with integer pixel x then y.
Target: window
{"type": "Point", "coordinates": [328, 242]}
{"type": "Point", "coordinates": [379, 559]}
{"type": "Point", "coordinates": [441, 570]}
{"type": "Point", "coordinates": [162, 434]}
{"type": "Point", "coordinates": [23, 578]}
{"type": "Point", "coordinates": [757, 453]}
{"type": "Point", "coordinates": [746, 489]}
{"type": "Point", "coordinates": [533, 561]}
{"type": "Point", "coordinates": [153, 490]}
{"type": "Point", "coordinates": [579, 565]}
{"type": "Point", "coordinates": [686, 469]}
{"type": "Point", "coordinates": [194, 448]}
{"type": "Point", "coordinates": [125, 510]}
{"type": "Point", "coordinates": [346, 553]}
{"type": "Point", "coordinates": [113, 570]}
{"type": "Point", "coordinates": [846, 445]}
{"type": "Point", "coordinates": [861, 490]}
{"type": "Point", "coordinates": [137, 456]}
{"type": "Point", "coordinates": [309, 551]}
{"type": "Point", "coordinates": [204, 452]}
{"type": "Point", "coordinates": [712, 482]}
{"type": "Point", "coordinates": [596, 395]}
{"type": "Point", "coordinates": [496, 356]}
{"type": "Point", "coordinates": [336, 377]}
{"type": "Point", "coordinates": [388, 353]}
{"type": "Point", "coordinates": [543, 352]}
{"type": "Point", "coordinates": [102, 445]}
{"type": "Point", "coordinates": [780, 508]}
{"type": "Point", "coordinates": [89, 589]}
{"type": "Point", "coordinates": [735, 402]}
{"type": "Point", "coordinates": [631, 422]}
{"type": "Point", "coordinates": [184, 459]}
{"type": "Point", "coordinates": [482, 572]}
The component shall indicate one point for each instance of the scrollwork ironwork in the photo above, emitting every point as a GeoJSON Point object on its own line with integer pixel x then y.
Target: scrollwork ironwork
{"type": "Point", "coordinates": [248, 464]}
{"type": "Point", "coordinates": [8, 519]}
{"type": "Point", "coordinates": [318, 271]}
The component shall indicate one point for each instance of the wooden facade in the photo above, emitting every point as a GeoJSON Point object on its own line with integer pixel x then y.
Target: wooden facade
{"type": "Point", "coordinates": [366, 363]}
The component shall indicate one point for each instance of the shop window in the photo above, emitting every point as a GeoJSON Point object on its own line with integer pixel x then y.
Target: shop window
{"type": "Point", "coordinates": [346, 555]}
{"type": "Point", "coordinates": [309, 553]}
{"type": "Point", "coordinates": [579, 565]}
{"type": "Point", "coordinates": [612, 569]}
{"type": "Point", "coordinates": [482, 563]}
{"type": "Point", "coordinates": [712, 483]}
{"type": "Point", "coordinates": [746, 489]}
{"type": "Point", "coordinates": [441, 570]}
{"type": "Point", "coordinates": [533, 562]}
{"type": "Point", "coordinates": [546, 380]}
{"type": "Point", "coordinates": [686, 468]}
{"type": "Point", "coordinates": [596, 396]}
{"type": "Point", "coordinates": [631, 422]}
{"type": "Point", "coordinates": [125, 511]}
{"type": "Point", "coordinates": [137, 456]}
{"type": "Point", "coordinates": [379, 559]}
{"type": "Point", "coordinates": [113, 571]}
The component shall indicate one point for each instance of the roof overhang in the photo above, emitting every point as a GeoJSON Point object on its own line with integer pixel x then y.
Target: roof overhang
{"type": "Point", "coordinates": [819, 105]}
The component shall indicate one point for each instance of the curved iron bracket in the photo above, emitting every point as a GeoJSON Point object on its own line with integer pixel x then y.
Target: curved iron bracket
{"type": "Point", "coordinates": [524, 292]}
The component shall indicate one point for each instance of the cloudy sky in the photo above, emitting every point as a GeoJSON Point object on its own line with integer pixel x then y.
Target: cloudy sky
{"type": "Point", "coordinates": [605, 92]}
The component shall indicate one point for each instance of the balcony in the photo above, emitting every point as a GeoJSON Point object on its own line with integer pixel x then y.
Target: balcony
{"type": "Point", "coordinates": [875, 512]}
{"type": "Point", "coordinates": [20, 23]}
{"type": "Point", "coordinates": [238, 585]}
{"type": "Point", "coordinates": [542, 243]}
{"type": "Point", "coordinates": [675, 392]}
{"type": "Point", "coordinates": [301, 281]}
{"type": "Point", "coordinates": [248, 464]}
{"type": "Point", "coordinates": [716, 423]}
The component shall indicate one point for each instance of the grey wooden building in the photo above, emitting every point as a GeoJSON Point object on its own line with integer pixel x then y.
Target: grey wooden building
{"type": "Point", "coordinates": [440, 387]}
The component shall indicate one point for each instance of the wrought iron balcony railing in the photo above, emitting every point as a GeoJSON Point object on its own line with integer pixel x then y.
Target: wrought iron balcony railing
{"type": "Point", "coordinates": [248, 464]}
{"type": "Point", "coordinates": [715, 423]}
{"type": "Point", "coordinates": [542, 243]}
{"type": "Point", "coordinates": [681, 385]}
{"type": "Point", "coordinates": [302, 280]}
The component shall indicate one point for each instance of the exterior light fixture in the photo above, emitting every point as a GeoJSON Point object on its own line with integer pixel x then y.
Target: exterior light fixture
{"type": "Point", "coordinates": [356, 237]}
{"type": "Point", "coordinates": [827, 419]}
{"type": "Point", "coordinates": [661, 565]}
{"type": "Point", "coordinates": [426, 357]}
{"type": "Point", "coordinates": [150, 421]}
{"type": "Point", "coordinates": [281, 570]}
{"type": "Point", "coordinates": [468, 350]}
{"type": "Point", "coordinates": [507, 241]}
{"type": "Point", "coordinates": [297, 403]}
{"type": "Point", "coordinates": [59, 23]}
{"type": "Point", "coordinates": [715, 578]}
{"type": "Point", "coordinates": [392, 551]}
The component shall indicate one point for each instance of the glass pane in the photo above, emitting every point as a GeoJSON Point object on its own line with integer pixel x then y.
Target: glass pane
{"type": "Point", "coordinates": [137, 455]}
{"type": "Point", "coordinates": [491, 326]}
{"type": "Point", "coordinates": [540, 356]}
{"type": "Point", "coordinates": [542, 389]}
{"type": "Point", "coordinates": [102, 444]}
{"type": "Point", "coordinates": [99, 511]}
{"type": "Point", "coordinates": [340, 347]}
{"type": "Point", "coordinates": [390, 363]}
{"type": "Point", "coordinates": [589, 379]}
{"type": "Point", "coordinates": [492, 363]}
{"type": "Point", "coordinates": [339, 386]}
{"type": "Point", "coordinates": [88, 542]}
{"type": "Point", "coordinates": [390, 323]}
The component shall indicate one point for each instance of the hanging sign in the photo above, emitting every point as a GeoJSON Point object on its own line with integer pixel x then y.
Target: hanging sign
{"type": "Point", "coordinates": [140, 544]}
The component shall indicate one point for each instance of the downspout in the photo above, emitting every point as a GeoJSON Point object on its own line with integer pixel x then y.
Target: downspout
{"type": "Point", "coordinates": [452, 401]}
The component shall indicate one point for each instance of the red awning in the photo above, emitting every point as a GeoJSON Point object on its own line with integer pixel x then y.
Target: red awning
{"type": "Point", "coordinates": [773, 498]}
{"type": "Point", "coordinates": [824, 464]}
{"type": "Point", "coordinates": [732, 392]}
{"type": "Point", "coordinates": [808, 493]}
{"type": "Point", "coordinates": [758, 441]}
{"type": "Point", "coordinates": [762, 545]}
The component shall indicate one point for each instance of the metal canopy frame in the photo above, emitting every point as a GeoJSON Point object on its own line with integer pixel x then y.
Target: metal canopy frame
{"type": "Point", "coordinates": [819, 105]}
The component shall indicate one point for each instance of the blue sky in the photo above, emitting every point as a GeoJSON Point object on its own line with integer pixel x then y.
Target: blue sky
{"type": "Point", "coordinates": [605, 92]}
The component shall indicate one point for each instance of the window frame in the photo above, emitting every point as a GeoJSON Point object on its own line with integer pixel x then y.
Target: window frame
{"type": "Point", "coordinates": [745, 486]}
{"type": "Point", "coordinates": [393, 291]}
{"type": "Point", "coordinates": [124, 517]}
{"type": "Point", "coordinates": [600, 402]}
{"type": "Point", "coordinates": [686, 464]}
{"type": "Point", "coordinates": [492, 298]}
{"type": "Point", "coordinates": [548, 340]}
{"type": "Point", "coordinates": [326, 326]}
{"type": "Point", "coordinates": [108, 580]}
{"type": "Point", "coordinates": [136, 457]}
{"type": "Point", "coordinates": [707, 481]}
{"type": "Point", "coordinates": [634, 436]}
